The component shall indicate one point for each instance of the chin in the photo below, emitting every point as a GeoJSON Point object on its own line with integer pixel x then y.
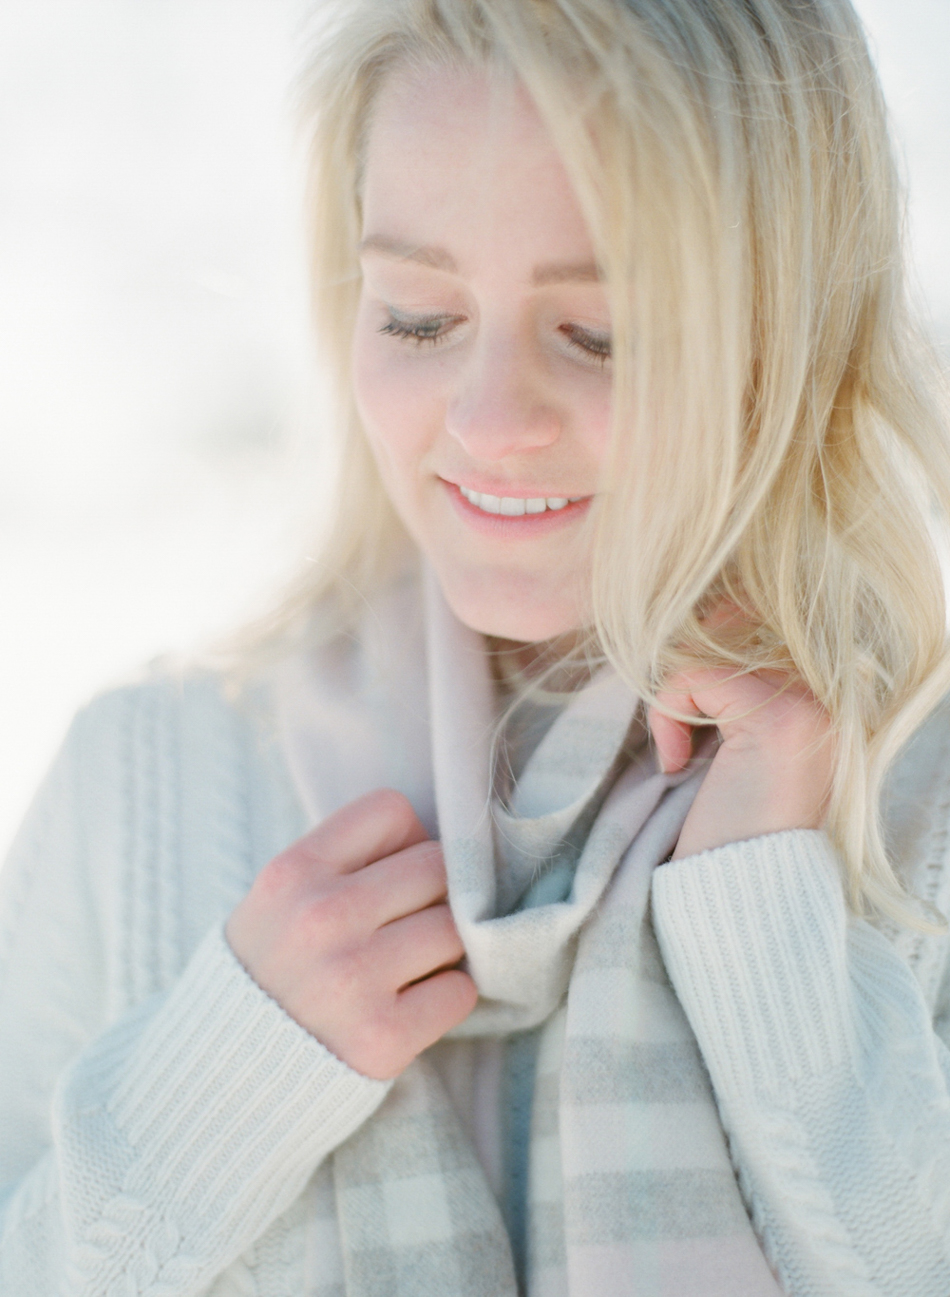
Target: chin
{"type": "Point", "coordinates": [527, 611]}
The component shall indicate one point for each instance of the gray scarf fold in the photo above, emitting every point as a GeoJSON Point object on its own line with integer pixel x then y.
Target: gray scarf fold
{"type": "Point", "coordinates": [630, 1187]}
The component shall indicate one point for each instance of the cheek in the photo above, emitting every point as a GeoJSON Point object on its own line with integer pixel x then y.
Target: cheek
{"type": "Point", "coordinates": [593, 417]}
{"type": "Point", "coordinates": [396, 399]}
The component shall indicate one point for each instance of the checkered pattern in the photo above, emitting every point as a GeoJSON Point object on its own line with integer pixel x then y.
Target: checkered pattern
{"type": "Point", "coordinates": [630, 1187]}
{"type": "Point", "coordinates": [416, 1216]}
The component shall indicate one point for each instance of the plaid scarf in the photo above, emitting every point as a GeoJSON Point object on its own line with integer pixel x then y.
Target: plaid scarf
{"type": "Point", "coordinates": [630, 1187]}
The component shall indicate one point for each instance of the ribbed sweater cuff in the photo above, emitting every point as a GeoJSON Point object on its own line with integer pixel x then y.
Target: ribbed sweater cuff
{"type": "Point", "coordinates": [753, 937]}
{"type": "Point", "coordinates": [229, 1103]}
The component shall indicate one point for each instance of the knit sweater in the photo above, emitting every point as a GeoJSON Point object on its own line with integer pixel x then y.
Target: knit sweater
{"type": "Point", "coordinates": [161, 1118]}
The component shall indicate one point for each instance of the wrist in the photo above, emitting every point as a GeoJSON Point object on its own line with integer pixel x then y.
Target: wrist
{"type": "Point", "coordinates": [751, 795]}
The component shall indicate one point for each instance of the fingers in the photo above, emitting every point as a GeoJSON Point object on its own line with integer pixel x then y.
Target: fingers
{"type": "Point", "coordinates": [427, 1010]}
{"type": "Point", "coordinates": [725, 612]}
{"type": "Point", "coordinates": [418, 1017]}
{"type": "Point", "coordinates": [347, 910]}
{"type": "Point", "coordinates": [719, 694]}
{"type": "Point", "coordinates": [376, 825]}
{"type": "Point", "coordinates": [418, 945]}
{"type": "Point", "coordinates": [673, 740]}
{"type": "Point", "coordinates": [672, 735]}
{"type": "Point", "coordinates": [763, 710]}
{"type": "Point", "coordinates": [345, 923]}
{"type": "Point", "coordinates": [399, 885]}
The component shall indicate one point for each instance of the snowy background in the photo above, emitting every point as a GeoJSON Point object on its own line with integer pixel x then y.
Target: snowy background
{"type": "Point", "coordinates": [159, 464]}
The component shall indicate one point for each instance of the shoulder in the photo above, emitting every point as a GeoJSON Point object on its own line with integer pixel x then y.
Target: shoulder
{"type": "Point", "coordinates": [191, 745]}
{"type": "Point", "coordinates": [163, 693]}
{"type": "Point", "coordinates": [168, 795]}
{"type": "Point", "coordinates": [916, 814]}
{"type": "Point", "coordinates": [916, 809]}
{"type": "Point", "coordinates": [178, 739]}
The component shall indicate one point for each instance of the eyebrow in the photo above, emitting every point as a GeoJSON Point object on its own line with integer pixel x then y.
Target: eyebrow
{"type": "Point", "coordinates": [438, 259]}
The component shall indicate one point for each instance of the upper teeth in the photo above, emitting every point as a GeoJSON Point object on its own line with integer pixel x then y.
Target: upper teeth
{"type": "Point", "coordinates": [516, 505]}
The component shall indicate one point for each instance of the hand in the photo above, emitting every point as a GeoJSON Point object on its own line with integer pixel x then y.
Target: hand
{"type": "Point", "coordinates": [348, 930]}
{"type": "Point", "coordinates": [773, 767]}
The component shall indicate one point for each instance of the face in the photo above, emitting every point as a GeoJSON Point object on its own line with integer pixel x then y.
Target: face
{"type": "Point", "coordinates": [481, 353]}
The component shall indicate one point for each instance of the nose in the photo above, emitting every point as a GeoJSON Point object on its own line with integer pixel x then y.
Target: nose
{"type": "Point", "coordinates": [498, 407]}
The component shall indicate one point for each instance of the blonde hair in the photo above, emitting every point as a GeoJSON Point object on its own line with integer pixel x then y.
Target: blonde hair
{"type": "Point", "coordinates": [779, 433]}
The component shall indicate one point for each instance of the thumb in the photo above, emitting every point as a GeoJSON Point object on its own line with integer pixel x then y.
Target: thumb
{"type": "Point", "coordinates": [673, 740]}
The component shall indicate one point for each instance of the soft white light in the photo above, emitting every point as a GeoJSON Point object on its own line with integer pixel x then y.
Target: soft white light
{"type": "Point", "coordinates": [152, 328]}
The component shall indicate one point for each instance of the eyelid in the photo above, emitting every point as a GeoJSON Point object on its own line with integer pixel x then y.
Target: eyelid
{"type": "Point", "coordinates": [594, 343]}
{"type": "Point", "coordinates": [411, 327]}
{"type": "Point", "coordinates": [420, 317]}
{"type": "Point", "coordinates": [588, 330]}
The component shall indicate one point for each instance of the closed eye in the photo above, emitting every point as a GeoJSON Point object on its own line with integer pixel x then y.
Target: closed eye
{"type": "Point", "coordinates": [420, 329]}
{"type": "Point", "coordinates": [595, 345]}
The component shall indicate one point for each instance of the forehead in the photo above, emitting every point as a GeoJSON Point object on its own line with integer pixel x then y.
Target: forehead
{"type": "Point", "coordinates": [462, 153]}
{"type": "Point", "coordinates": [435, 107]}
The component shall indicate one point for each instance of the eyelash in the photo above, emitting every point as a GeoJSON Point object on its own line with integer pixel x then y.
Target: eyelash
{"type": "Point", "coordinates": [416, 329]}
{"type": "Point", "coordinates": [594, 346]}
{"type": "Point", "coordinates": [430, 330]}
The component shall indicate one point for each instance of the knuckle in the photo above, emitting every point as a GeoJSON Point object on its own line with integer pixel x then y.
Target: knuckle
{"type": "Point", "coordinates": [312, 852]}
{"type": "Point", "coordinates": [344, 975]}
{"type": "Point", "coordinates": [329, 916]}
{"type": "Point", "coordinates": [393, 806]}
{"type": "Point", "coordinates": [280, 876]}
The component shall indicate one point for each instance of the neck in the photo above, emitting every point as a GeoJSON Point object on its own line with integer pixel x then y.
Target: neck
{"type": "Point", "coordinates": [561, 665]}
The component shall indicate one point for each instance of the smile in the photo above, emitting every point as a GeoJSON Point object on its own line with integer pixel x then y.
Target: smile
{"type": "Point", "coordinates": [515, 506]}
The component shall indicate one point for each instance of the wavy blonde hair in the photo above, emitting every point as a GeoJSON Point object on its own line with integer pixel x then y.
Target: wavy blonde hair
{"type": "Point", "coordinates": [779, 428]}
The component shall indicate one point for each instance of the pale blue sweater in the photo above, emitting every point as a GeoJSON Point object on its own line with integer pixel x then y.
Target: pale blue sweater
{"type": "Point", "coordinates": [161, 1117]}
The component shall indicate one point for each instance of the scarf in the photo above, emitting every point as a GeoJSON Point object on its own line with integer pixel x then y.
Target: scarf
{"type": "Point", "coordinates": [631, 1192]}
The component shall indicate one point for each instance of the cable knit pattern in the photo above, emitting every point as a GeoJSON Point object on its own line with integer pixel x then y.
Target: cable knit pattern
{"type": "Point", "coordinates": [169, 1157]}
{"type": "Point", "coordinates": [164, 1126]}
{"type": "Point", "coordinates": [827, 1073]}
{"type": "Point", "coordinates": [218, 1097]}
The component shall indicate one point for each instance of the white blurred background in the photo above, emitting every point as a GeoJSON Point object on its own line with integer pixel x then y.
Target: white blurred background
{"type": "Point", "coordinates": [158, 437]}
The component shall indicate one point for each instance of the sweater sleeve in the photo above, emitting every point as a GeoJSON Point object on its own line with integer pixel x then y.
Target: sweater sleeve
{"type": "Point", "coordinates": [141, 1155]}
{"type": "Point", "coordinates": [831, 1084]}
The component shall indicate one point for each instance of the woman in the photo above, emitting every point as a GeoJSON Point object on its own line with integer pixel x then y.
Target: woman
{"type": "Point", "coordinates": [630, 601]}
